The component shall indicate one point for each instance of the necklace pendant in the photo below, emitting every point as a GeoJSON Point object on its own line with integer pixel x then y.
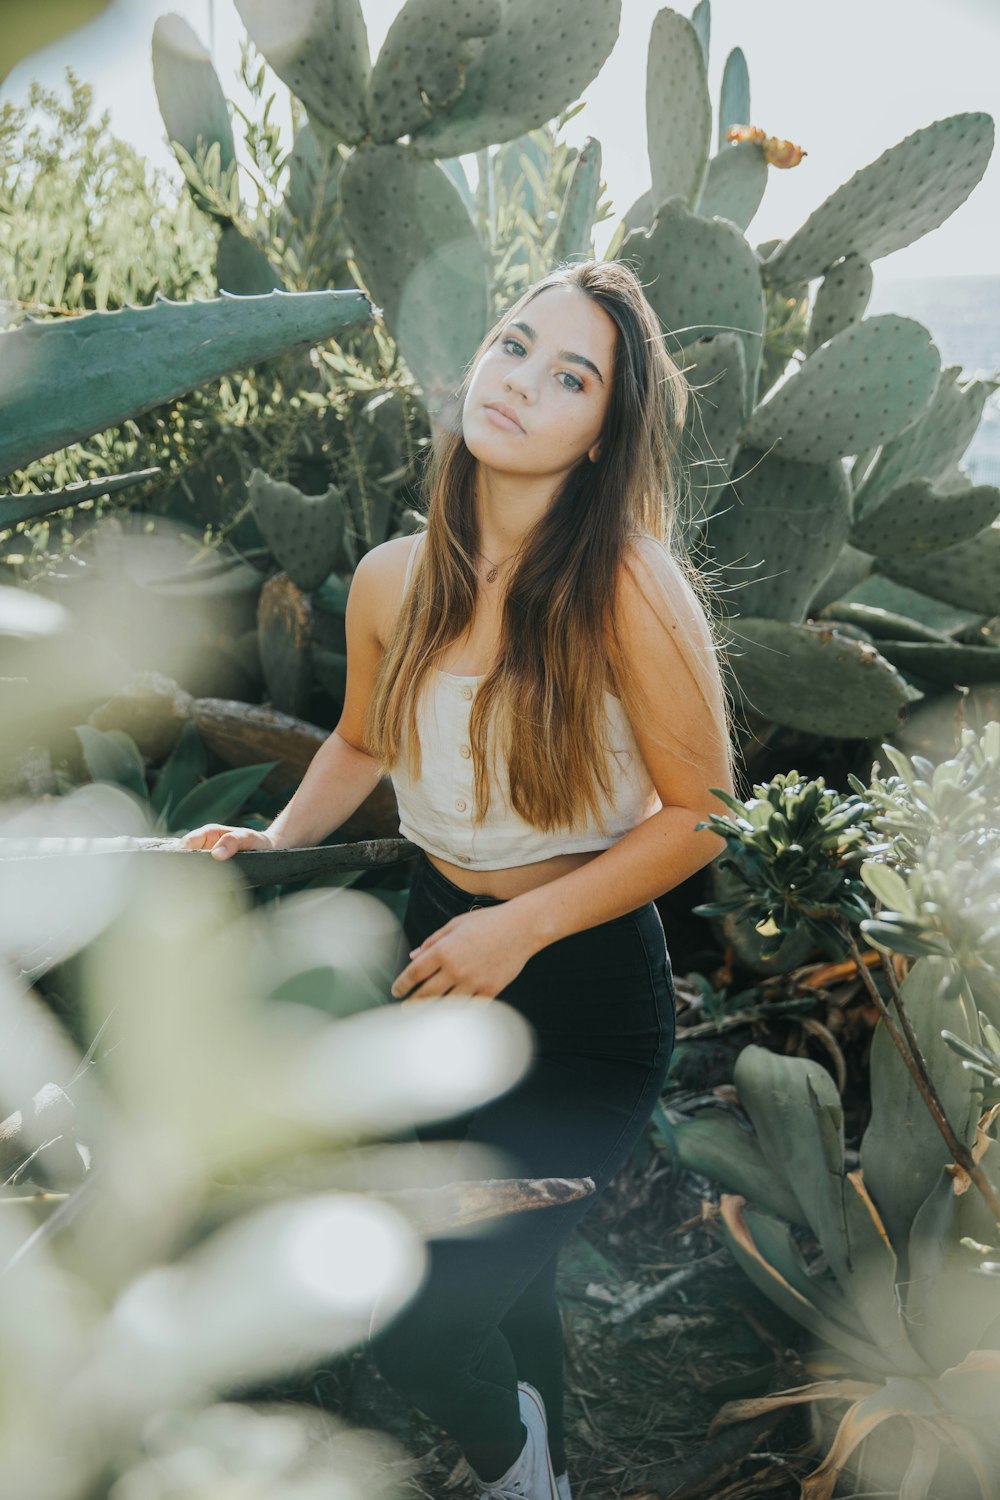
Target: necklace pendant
{"type": "Point", "coordinates": [491, 575]}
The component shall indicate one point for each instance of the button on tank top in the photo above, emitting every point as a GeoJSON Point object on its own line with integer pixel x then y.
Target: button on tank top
{"type": "Point", "coordinates": [435, 809]}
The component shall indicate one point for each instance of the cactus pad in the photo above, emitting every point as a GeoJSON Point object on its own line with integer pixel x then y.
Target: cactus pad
{"type": "Point", "coordinates": [320, 49]}
{"type": "Point", "coordinates": [539, 60]}
{"type": "Point", "coordinates": [716, 370]}
{"type": "Point", "coordinates": [843, 296]}
{"type": "Point", "coordinates": [810, 677]}
{"type": "Point", "coordinates": [931, 447]}
{"type": "Point", "coordinates": [779, 531]}
{"type": "Point", "coordinates": [305, 532]}
{"type": "Point", "coordinates": [917, 520]}
{"type": "Point", "coordinates": [735, 185]}
{"type": "Point", "coordinates": [678, 109]}
{"type": "Point", "coordinates": [421, 68]}
{"type": "Point", "coordinates": [188, 90]}
{"type": "Point", "coordinates": [576, 219]}
{"type": "Point", "coordinates": [421, 259]}
{"type": "Point", "coordinates": [967, 575]}
{"type": "Point", "coordinates": [864, 386]}
{"type": "Point", "coordinates": [734, 96]}
{"type": "Point", "coordinates": [701, 278]}
{"type": "Point", "coordinates": [701, 20]}
{"type": "Point", "coordinates": [908, 191]}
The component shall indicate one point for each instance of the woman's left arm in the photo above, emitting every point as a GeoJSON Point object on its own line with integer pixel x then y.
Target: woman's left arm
{"type": "Point", "coordinates": [665, 849]}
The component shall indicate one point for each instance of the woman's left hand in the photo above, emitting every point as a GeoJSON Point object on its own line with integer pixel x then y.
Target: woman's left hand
{"type": "Point", "coordinates": [477, 953]}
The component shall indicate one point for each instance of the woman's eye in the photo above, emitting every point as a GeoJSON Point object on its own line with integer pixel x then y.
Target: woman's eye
{"type": "Point", "coordinates": [577, 384]}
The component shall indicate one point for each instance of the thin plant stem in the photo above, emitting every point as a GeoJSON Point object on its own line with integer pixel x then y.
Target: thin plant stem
{"type": "Point", "coordinates": [926, 1089]}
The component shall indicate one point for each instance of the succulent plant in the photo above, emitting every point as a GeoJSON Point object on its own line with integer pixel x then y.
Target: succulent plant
{"type": "Point", "coordinates": [65, 378]}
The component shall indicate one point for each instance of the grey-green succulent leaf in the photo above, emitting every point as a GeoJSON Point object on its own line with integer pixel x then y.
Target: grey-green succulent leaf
{"type": "Point", "coordinates": [538, 60]}
{"type": "Point", "coordinates": [798, 1119]}
{"type": "Point", "coordinates": [678, 109]}
{"type": "Point", "coordinates": [902, 1151]}
{"type": "Point", "coordinates": [422, 67]}
{"type": "Point", "coordinates": [320, 49]}
{"type": "Point", "coordinates": [905, 193]}
{"type": "Point", "coordinates": [735, 183]}
{"type": "Point", "coordinates": [62, 379]}
{"type": "Point", "coordinates": [734, 96]}
{"type": "Point", "coordinates": [842, 298]}
{"type": "Point", "coordinates": [866, 385]}
{"type": "Point", "coordinates": [422, 260]}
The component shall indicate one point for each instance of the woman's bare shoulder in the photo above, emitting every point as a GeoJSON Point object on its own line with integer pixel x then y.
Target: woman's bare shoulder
{"type": "Point", "coordinates": [382, 570]}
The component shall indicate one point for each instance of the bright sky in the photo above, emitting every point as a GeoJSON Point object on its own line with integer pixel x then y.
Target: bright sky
{"type": "Point", "coordinates": [844, 84]}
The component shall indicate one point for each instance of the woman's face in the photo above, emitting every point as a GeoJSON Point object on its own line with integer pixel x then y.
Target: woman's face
{"type": "Point", "coordinates": [550, 365]}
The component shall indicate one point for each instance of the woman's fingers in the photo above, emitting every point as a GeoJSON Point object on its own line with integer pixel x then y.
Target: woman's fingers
{"type": "Point", "coordinates": [223, 840]}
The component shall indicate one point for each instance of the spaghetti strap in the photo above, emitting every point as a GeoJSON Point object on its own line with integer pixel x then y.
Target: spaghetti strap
{"type": "Point", "coordinates": [409, 561]}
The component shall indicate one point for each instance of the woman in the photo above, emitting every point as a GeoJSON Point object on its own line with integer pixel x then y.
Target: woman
{"type": "Point", "coordinates": [539, 674]}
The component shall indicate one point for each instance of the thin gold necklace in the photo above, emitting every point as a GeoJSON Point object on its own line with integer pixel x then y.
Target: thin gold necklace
{"type": "Point", "coordinates": [494, 567]}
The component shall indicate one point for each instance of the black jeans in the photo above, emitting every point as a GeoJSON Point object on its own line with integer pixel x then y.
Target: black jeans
{"type": "Point", "coordinates": [601, 1005]}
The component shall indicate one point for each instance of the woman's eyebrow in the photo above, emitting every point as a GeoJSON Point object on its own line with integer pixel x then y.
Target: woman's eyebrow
{"type": "Point", "coordinates": [578, 359]}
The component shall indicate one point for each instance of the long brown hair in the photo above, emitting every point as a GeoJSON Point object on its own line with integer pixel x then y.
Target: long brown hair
{"type": "Point", "coordinates": [543, 702]}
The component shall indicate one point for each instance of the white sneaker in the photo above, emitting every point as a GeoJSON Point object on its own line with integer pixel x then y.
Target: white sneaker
{"type": "Point", "coordinates": [530, 1477]}
{"type": "Point", "coordinates": [562, 1487]}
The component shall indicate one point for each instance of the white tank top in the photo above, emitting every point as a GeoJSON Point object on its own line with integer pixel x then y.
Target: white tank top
{"type": "Point", "coordinates": [435, 809]}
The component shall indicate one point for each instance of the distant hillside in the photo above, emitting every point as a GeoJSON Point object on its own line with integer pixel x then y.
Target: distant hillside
{"type": "Point", "coordinates": [962, 314]}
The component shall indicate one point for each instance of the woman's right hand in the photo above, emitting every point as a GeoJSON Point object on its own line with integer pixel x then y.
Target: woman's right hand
{"type": "Point", "coordinates": [222, 840]}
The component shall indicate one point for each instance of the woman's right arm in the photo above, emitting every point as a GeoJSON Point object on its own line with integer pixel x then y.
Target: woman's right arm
{"type": "Point", "coordinates": [341, 774]}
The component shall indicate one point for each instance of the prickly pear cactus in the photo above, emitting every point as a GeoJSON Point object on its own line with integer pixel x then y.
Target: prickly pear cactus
{"type": "Point", "coordinates": [421, 259]}
{"type": "Point", "coordinates": [701, 278]}
{"type": "Point", "coordinates": [320, 49]}
{"type": "Point", "coordinates": [306, 533]}
{"type": "Point", "coordinates": [843, 295]}
{"type": "Point", "coordinates": [864, 386]}
{"type": "Point", "coordinates": [924, 178]}
{"type": "Point", "coordinates": [678, 109]}
{"type": "Point", "coordinates": [780, 533]}
{"type": "Point", "coordinates": [929, 449]}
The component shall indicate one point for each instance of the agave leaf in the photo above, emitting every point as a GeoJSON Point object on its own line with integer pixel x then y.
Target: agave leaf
{"type": "Point", "coordinates": [797, 1114]}
{"type": "Point", "coordinates": [34, 503]}
{"type": "Point", "coordinates": [221, 797]}
{"type": "Point", "coordinates": [902, 1151]}
{"type": "Point", "coordinates": [897, 1398]}
{"type": "Point", "coordinates": [770, 1281]}
{"type": "Point", "coordinates": [776, 1244]}
{"type": "Point", "coordinates": [820, 1390]}
{"type": "Point", "coordinates": [947, 1305]}
{"type": "Point", "coordinates": [717, 1146]}
{"type": "Point", "coordinates": [971, 1389]}
{"type": "Point", "coordinates": [62, 379]}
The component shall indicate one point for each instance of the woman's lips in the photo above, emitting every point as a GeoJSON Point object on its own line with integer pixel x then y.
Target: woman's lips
{"type": "Point", "coordinates": [499, 420]}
